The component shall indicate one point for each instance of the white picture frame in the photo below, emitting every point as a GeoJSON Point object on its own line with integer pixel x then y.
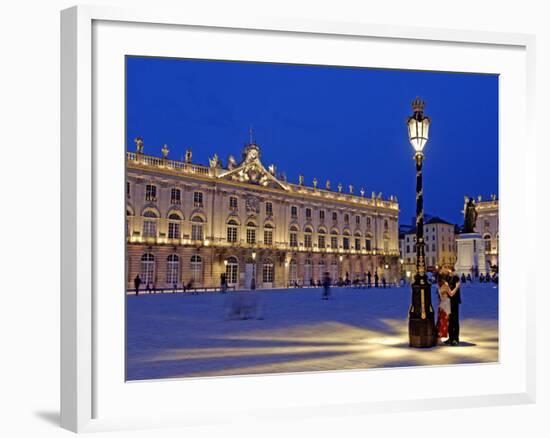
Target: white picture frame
{"type": "Point", "coordinates": [82, 368]}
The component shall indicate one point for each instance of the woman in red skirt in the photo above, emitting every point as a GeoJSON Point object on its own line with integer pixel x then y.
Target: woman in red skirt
{"type": "Point", "coordinates": [444, 308]}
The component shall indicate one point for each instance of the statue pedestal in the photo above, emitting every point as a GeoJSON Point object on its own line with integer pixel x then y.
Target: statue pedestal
{"type": "Point", "coordinates": [470, 255]}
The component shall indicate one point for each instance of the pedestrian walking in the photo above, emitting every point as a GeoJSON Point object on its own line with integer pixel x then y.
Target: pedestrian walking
{"type": "Point", "coordinates": [369, 279]}
{"type": "Point", "coordinates": [375, 279]}
{"type": "Point", "coordinates": [137, 283]}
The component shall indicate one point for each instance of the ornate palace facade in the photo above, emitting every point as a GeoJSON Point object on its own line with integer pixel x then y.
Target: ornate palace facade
{"type": "Point", "coordinates": [487, 226]}
{"type": "Point", "coordinates": [189, 222]}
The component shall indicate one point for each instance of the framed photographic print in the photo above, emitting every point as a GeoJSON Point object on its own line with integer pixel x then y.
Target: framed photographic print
{"type": "Point", "coordinates": [254, 208]}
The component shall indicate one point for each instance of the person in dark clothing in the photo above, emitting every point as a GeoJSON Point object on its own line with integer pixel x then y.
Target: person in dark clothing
{"type": "Point", "coordinates": [223, 283]}
{"type": "Point", "coordinates": [137, 283]}
{"type": "Point", "coordinates": [384, 282]}
{"type": "Point", "coordinates": [369, 279]}
{"type": "Point", "coordinates": [376, 279]}
{"type": "Point", "coordinates": [326, 286]}
{"type": "Point", "coordinates": [463, 278]}
{"type": "Point", "coordinates": [454, 317]}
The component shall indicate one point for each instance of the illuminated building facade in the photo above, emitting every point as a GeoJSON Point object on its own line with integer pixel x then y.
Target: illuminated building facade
{"type": "Point", "coordinates": [190, 223]}
{"type": "Point", "coordinates": [487, 226]}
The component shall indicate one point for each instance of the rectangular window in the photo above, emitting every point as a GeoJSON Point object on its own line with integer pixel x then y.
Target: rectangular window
{"type": "Point", "coordinates": [345, 242]}
{"type": "Point", "coordinates": [268, 208]}
{"type": "Point", "coordinates": [334, 216]}
{"type": "Point", "coordinates": [334, 242]}
{"type": "Point", "coordinates": [149, 228]}
{"type": "Point", "coordinates": [150, 192]}
{"type": "Point", "coordinates": [175, 196]}
{"type": "Point", "coordinates": [346, 218]}
{"type": "Point", "coordinates": [251, 235]}
{"type": "Point", "coordinates": [433, 247]}
{"type": "Point", "coordinates": [196, 232]}
{"type": "Point", "coordinates": [232, 234]}
{"type": "Point", "coordinates": [197, 199]}
{"type": "Point", "coordinates": [321, 241]}
{"type": "Point", "coordinates": [368, 245]}
{"type": "Point", "coordinates": [307, 240]}
{"type": "Point", "coordinates": [173, 230]}
{"type": "Point", "coordinates": [233, 202]}
{"type": "Point", "coordinates": [268, 237]}
{"type": "Point", "coordinates": [294, 211]}
{"type": "Point", "coordinates": [357, 244]}
{"type": "Point", "coordinates": [322, 215]}
{"type": "Point", "coordinates": [127, 189]}
{"type": "Point", "coordinates": [357, 220]}
{"type": "Point", "coordinates": [308, 213]}
{"type": "Point", "coordinates": [385, 225]}
{"type": "Point", "coordinates": [368, 222]}
{"type": "Point", "coordinates": [408, 248]}
{"type": "Point", "coordinates": [293, 239]}
{"type": "Point", "coordinates": [386, 245]}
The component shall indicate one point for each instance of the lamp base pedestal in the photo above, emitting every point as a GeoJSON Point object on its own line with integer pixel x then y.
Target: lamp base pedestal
{"type": "Point", "coordinates": [422, 331]}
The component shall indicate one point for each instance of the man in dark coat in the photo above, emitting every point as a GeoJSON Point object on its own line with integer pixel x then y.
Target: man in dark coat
{"type": "Point", "coordinates": [454, 317]}
{"type": "Point", "coordinates": [137, 283]}
{"type": "Point", "coordinates": [376, 279]}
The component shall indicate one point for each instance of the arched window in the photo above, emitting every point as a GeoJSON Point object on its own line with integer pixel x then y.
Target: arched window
{"type": "Point", "coordinates": [334, 238]}
{"type": "Point", "coordinates": [268, 271]}
{"type": "Point", "coordinates": [368, 243]}
{"type": "Point", "coordinates": [357, 243]}
{"type": "Point", "coordinates": [174, 220]}
{"type": "Point", "coordinates": [251, 233]}
{"type": "Point", "coordinates": [268, 234]}
{"type": "Point", "coordinates": [321, 239]}
{"type": "Point", "coordinates": [172, 269]}
{"type": "Point", "coordinates": [150, 219]}
{"type": "Point", "coordinates": [334, 270]}
{"type": "Point", "coordinates": [293, 236]}
{"type": "Point", "coordinates": [197, 228]}
{"type": "Point", "coordinates": [196, 268]}
{"type": "Point", "coordinates": [232, 231]}
{"type": "Point", "coordinates": [292, 272]}
{"type": "Point", "coordinates": [307, 237]}
{"type": "Point", "coordinates": [307, 272]}
{"type": "Point", "coordinates": [345, 239]}
{"type": "Point", "coordinates": [147, 268]}
{"type": "Point", "coordinates": [232, 270]}
{"type": "Point", "coordinates": [487, 239]}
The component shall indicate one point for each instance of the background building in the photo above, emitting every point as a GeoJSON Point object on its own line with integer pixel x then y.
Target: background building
{"type": "Point", "coordinates": [487, 225]}
{"type": "Point", "coordinates": [440, 245]}
{"type": "Point", "coordinates": [189, 222]}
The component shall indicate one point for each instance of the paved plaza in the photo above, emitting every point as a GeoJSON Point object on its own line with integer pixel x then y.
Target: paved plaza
{"type": "Point", "coordinates": [294, 330]}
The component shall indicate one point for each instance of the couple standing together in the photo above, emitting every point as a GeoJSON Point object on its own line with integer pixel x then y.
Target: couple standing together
{"type": "Point", "coordinates": [448, 285]}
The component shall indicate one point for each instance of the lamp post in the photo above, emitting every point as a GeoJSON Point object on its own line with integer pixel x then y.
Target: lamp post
{"type": "Point", "coordinates": [422, 331]}
{"type": "Point", "coordinates": [253, 282]}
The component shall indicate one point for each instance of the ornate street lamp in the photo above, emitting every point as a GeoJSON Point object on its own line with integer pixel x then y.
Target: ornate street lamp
{"type": "Point", "coordinates": [422, 331]}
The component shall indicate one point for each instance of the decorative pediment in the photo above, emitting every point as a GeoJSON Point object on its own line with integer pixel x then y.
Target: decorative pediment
{"type": "Point", "coordinates": [252, 171]}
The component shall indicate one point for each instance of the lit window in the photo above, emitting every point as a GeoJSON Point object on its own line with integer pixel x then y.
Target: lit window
{"type": "Point", "coordinates": [147, 271]}
{"type": "Point", "coordinates": [334, 242]}
{"type": "Point", "coordinates": [268, 271]}
{"type": "Point", "coordinates": [268, 235]}
{"type": "Point", "coordinates": [196, 269]}
{"type": "Point", "coordinates": [150, 192]}
{"type": "Point", "coordinates": [251, 233]}
{"type": "Point", "coordinates": [232, 270]}
{"type": "Point", "coordinates": [172, 269]}
{"type": "Point", "coordinates": [197, 199]}
{"type": "Point", "coordinates": [321, 241]}
{"type": "Point", "coordinates": [232, 231]}
{"type": "Point", "coordinates": [175, 196]}
{"type": "Point", "coordinates": [357, 244]}
{"type": "Point", "coordinates": [196, 228]}
{"type": "Point", "coordinates": [150, 224]}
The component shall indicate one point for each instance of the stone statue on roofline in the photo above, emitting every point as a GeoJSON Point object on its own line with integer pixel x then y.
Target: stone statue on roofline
{"type": "Point", "coordinates": [231, 162]}
{"type": "Point", "coordinates": [165, 151]}
{"type": "Point", "coordinates": [139, 145]}
{"type": "Point", "coordinates": [215, 161]}
{"type": "Point", "coordinates": [188, 155]}
{"type": "Point", "coordinates": [327, 185]}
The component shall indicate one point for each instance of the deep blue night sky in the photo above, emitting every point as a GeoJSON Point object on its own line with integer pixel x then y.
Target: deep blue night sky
{"type": "Point", "coordinates": [342, 124]}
